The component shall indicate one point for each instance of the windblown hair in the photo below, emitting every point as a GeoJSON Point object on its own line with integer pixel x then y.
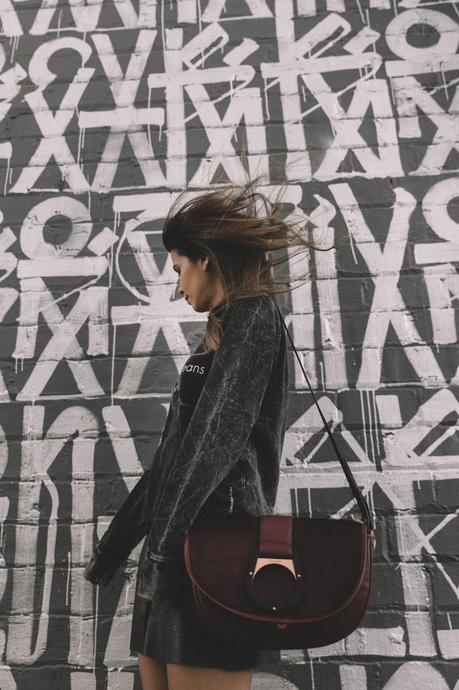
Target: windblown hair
{"type": "Point", "coordinates": [238, 228]}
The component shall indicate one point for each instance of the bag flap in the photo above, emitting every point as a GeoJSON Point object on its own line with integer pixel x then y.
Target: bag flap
{"type": "Point", "coordinates": [333, 557]}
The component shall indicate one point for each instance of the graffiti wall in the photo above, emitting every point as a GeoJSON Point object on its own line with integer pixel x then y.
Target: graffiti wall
{"type": "Point", "coordinates": [108, 110]}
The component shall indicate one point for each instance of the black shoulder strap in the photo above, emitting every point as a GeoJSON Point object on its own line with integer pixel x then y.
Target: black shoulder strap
{"type": "Point", "coordinates": [364, 509]}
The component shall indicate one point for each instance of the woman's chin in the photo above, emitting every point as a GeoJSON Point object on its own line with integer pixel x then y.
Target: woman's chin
{"type": "Point", "coordinates": [198, 307]}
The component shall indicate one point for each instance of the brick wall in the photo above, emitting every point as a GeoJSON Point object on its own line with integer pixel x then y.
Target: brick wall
{"type": "Point", "coordinates": [107, 110]}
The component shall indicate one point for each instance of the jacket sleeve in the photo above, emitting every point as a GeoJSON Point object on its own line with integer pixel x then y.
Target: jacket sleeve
{"type": "Point", "coordinates": [129, 525]}
{"type": "Point", "coordinates": [122, 535]}
{"type": "Point", "coordinates": [219, 428]}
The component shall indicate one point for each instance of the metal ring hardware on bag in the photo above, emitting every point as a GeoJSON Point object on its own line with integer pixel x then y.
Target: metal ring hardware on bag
{"type": "Point", "coordinates": [275, 550]}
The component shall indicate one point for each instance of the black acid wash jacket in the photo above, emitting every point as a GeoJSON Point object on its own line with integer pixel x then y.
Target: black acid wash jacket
{"type": "Point", "coordinates": [227, 460]}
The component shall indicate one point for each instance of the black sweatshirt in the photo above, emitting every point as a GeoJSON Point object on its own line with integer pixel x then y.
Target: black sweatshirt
{"type": "Point", "coordinates": [221, 445]}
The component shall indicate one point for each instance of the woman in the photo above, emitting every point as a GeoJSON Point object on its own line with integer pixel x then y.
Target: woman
{"type": "Point", "coordinates": [221, 444]}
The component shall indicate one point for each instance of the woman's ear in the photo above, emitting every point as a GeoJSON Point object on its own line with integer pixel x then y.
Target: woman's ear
{"type": "Point", "coordinates": [205, 263]}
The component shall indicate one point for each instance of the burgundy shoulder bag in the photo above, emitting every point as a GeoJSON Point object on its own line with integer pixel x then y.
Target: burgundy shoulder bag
{"type": "Point", "coordinates": [282, 582]}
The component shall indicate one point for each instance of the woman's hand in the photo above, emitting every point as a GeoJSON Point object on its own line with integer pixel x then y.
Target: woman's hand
{"type": "Point", "coordinates": [100, 568]}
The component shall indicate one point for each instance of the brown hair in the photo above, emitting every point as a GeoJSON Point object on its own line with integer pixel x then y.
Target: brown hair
{"type": "Point", "coordinates": [238, 228]}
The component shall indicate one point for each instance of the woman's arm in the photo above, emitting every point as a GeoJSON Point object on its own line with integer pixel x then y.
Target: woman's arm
{"type": "Point", "coordinates": [226, 411]}
{"type": "Point", "coordinates": [126, 529]}
{"type": "Point", "coordinates": [123, 533]}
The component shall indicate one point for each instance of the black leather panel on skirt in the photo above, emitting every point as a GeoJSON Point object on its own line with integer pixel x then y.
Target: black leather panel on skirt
{"type": "Point", "coordinates": [167, 628]}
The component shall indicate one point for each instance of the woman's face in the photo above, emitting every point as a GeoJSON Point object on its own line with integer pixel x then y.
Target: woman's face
{"type": "Point", "coordinates": [200, 287]}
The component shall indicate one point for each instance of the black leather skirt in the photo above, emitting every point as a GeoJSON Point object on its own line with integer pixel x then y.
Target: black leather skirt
{"type": "Point", "coordinates": [167, 628]}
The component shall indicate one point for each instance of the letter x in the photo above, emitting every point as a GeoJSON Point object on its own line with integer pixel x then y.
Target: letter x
{"type": "Point", "coordinates": [411, 95]}
{"type": "Point", "coordinates": [346, 125]}
{"type": "Point", "coordinates": [125, 119]}
{"type": "Point", "coordinates": [53, 143]}
{"type": "Point", "coordinates": [388, 306]}
{"type": "Point", "coordinates": [62, 344]}
{"type": "Point", "coordinates": [220, 131]}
